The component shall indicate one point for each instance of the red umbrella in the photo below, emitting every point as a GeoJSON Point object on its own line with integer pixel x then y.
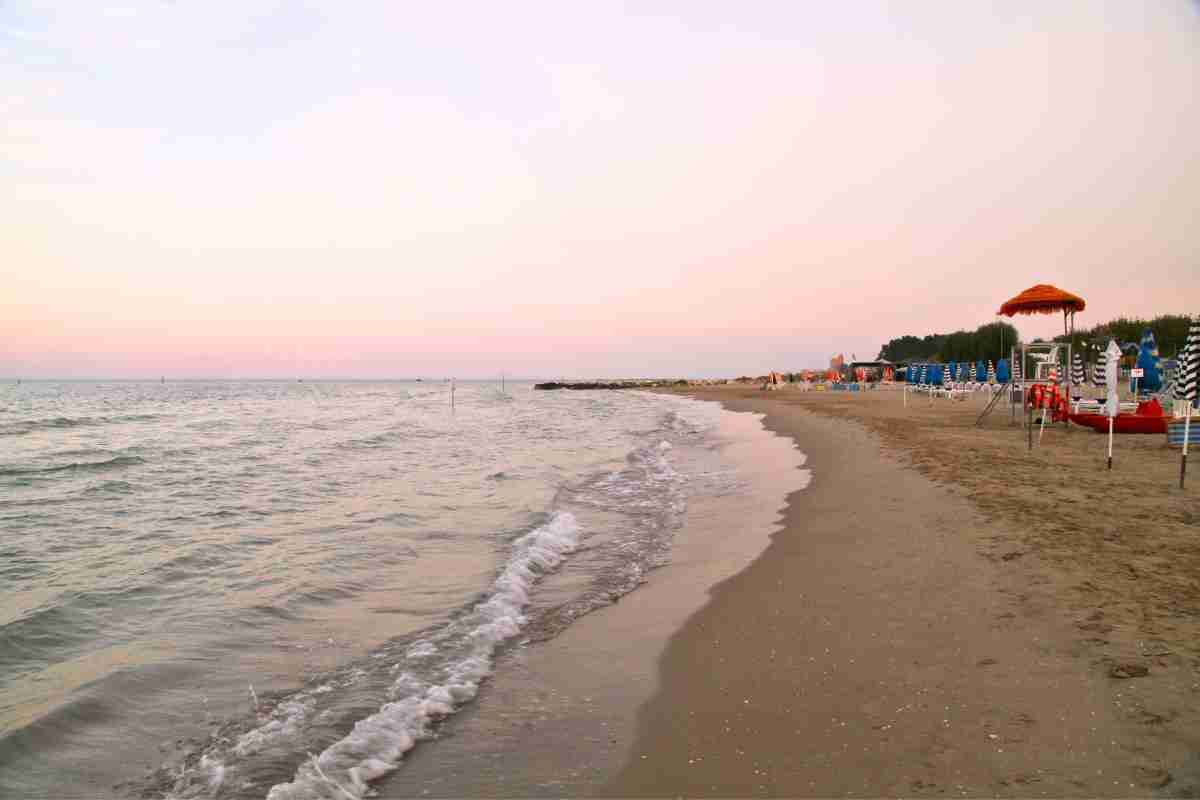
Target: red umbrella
{"type": "Point", "coordinates": [1045, 299]}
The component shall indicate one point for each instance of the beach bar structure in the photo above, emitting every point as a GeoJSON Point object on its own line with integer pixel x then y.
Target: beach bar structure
{"type": "Point", "coordinates": [873, 369]}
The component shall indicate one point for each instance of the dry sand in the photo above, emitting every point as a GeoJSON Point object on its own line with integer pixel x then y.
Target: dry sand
{"type": "Point", "coordinates": [943, 613]}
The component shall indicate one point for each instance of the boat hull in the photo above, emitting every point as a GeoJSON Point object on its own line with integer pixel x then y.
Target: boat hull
{"type": "Point", "coordinates": [1122, 423]}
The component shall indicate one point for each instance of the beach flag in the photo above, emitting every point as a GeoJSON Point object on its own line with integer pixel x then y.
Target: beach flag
{"type": "Point", "coordinates": [1078, 374]}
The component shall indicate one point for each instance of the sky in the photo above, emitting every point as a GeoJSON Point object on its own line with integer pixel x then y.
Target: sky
{"type": "Point", "coordinates": [331, 188]}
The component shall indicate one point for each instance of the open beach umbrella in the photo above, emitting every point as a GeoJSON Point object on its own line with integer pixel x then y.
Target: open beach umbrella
{"type": "Point", "coordinates": [1045, 299]}
{"type": "Point", "coordinates": [1078, 373]}
{"type": "Point", "coordinates": [1148, 361]}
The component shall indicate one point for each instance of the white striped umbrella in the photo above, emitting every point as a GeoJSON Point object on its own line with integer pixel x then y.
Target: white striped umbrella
{"type": "Point", "coordinates": [1078, 374]}
{"type": "Point", "coordinates": [991, 376]}
{"type": "Point", "coordinates": [1016, 369]}
{"type": "Point", "coordinates": [1098, 371]}
{"type": "Point", "coordinates": [924, 370]}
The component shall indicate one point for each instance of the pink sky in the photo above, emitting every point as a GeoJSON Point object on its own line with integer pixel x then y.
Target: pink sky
{"type": "Point", "coordinates": [253, 190]}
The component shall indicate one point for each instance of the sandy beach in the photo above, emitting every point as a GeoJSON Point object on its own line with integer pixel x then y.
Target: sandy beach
{"type": "Point", "coordinates": [942, 613]}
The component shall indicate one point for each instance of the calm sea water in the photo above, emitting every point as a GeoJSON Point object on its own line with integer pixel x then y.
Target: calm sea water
{"type": "Point", "coordinates": [275, 589]}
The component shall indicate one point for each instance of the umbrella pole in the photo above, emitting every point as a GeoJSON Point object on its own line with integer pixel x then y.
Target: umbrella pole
{"type": "Point", "coordinates": [1110, 437]}
{"type": "Point", "coordinates": [1187, 424]}
{"type": "Point", "coordinates": [1029, 424]}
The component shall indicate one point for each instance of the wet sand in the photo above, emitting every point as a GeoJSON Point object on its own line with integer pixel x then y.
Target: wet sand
{"type": "Point", "coordinates": [558, 717]}
{"type": "Point", "coordinates": [943, 613]}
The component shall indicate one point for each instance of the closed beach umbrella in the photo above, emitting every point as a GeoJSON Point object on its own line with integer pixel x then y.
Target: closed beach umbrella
{"type": "Point", "coordinates": [991, 373]}
{"type": "Point", "coordinates": [1111, 357]}
{"type": "Point", "coordinates": [924, 372]}
{"type": "Point", "coordinates": [1078, 374]}
{"type": "Point", "coordinates": [1017, 370]}
{"type": "Point", "coordinates": [1098, 371]}
{"type": "Point", "coordinates": [980, 371]}
{"type": "Point", "coordinates": [1148, 361]}
{"type": "Point", "coordinates": [1002, 371]}
{"type": "Point", "coordinates": [1112, 404]}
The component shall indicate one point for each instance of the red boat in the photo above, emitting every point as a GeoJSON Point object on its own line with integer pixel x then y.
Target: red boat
{"type": "Point", "coordinates": [1148, 418]}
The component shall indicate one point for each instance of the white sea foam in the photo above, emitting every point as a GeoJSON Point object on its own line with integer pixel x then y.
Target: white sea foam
{"type": "Point", "coordinates": [377, 743]}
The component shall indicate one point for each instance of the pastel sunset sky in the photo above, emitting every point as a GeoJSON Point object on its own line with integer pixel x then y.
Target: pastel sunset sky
{"type": "Point", "coordinates": [250, 188]}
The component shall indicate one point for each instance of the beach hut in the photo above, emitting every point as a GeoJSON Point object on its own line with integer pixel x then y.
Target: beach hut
{"type": "Point", "coordinates": [1045, 299]}
{"type": "Point", "coordinates": [1148, 362]}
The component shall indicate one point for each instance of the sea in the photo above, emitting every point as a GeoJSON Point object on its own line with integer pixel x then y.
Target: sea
{"type": "Point", "coordinates": [260, 589]}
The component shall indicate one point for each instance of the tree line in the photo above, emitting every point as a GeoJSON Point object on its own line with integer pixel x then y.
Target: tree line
{"type": "Point", "coordinates": [1170, 332]}
{"type": "Point", "coordinates": [993, 340]}
{"type": "Point", "coordinates": [988, 342]}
